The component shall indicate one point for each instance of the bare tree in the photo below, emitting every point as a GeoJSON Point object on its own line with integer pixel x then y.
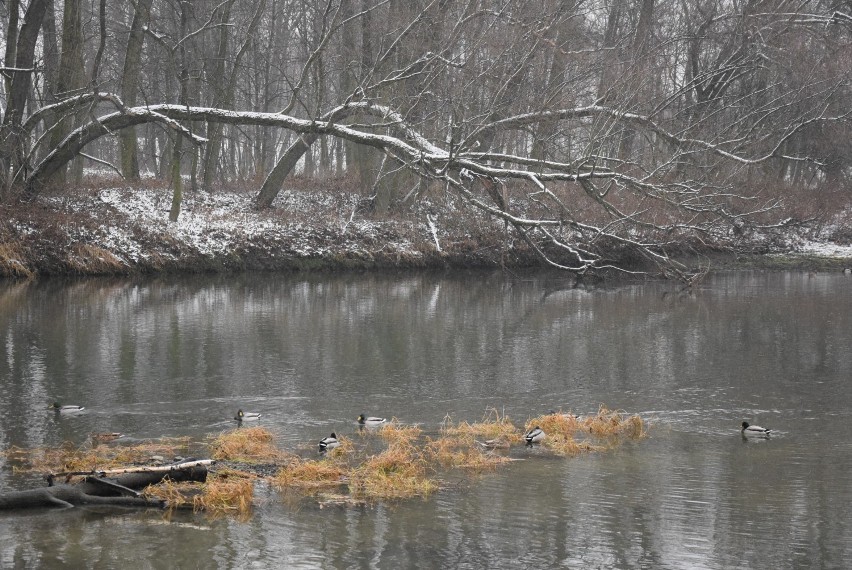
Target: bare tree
{"type": "Point", "coordinates": [596, 130]}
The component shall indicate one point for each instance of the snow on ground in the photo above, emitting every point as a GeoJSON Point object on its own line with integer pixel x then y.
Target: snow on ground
{"type": "Point", "coordinates": [131, 226]}
{"type": "Point", "coordinates": [307, 223]}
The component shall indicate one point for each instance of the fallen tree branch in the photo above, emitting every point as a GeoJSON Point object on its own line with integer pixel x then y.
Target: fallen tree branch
{"type": "Point", "coordinates": [120, 489]}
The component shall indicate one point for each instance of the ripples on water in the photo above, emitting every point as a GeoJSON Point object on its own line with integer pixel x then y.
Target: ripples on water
{"type": "Point", "coordinates": [161, 357]}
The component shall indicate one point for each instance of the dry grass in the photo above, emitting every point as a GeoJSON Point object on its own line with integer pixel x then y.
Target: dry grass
{"type": "Point", "coordinates": [493, 426]}
{"type": "Point", "coordinates": [563, 430]}
{"type": "Point", "coordinates": [556, 425]}
{"type": "Point", "coordinates": [463, 454]}
{"type": "Point", "coordinates": [394, 433]}
{"type": "Point", "coordinates": [228, 496]}
{"type": "Point", "coordinates": [91, 259]}
{"type": "Point", "coordinates": [218, 496]}
{"type": "Point", "coordinates": [608, 423]}
{"type": "Point", "coordinates": [408, 464]}
{"type": "Point", "coordinates": [249, 445]}
{"type": "Point", "coordinates": [398, 472]}
{"type": "Point", "coordinates": [68, 458]}
{"type": "Point", "coordinates": [311, 474]}
{"type": "Point", "coordinates": [12, 261]}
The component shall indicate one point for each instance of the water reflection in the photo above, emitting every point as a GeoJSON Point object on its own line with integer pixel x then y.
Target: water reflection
{"type": "Point", "coordinates": [178, 356]}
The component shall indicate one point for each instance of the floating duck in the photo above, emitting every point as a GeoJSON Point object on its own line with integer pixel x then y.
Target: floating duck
{"type": "Point", "coordinates": [329, 442]}
{"type": "Point", "coordinates": [535, 435]}
{"type": "Point", "coordinates": [370, 421]}
{"type": "Point", "coordinates": [497, 443]}
{"type": "Point", "coordinates": [66, 409]}
{"type": "Point", "coordinates": [246, 416]}
{"type": "Point", "coordinates": [754, 431]}
{"type": "Point", "coordinates": [105, 437]}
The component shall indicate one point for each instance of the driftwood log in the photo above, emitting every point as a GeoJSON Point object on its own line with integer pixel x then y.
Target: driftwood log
{"type": "Point", "coordinates": [119, 487]}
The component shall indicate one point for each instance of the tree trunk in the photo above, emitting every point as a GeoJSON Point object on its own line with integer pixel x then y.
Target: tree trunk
{"type": "Point", "coordinates": [217, 80]}
{"type": "Point", "coordinates": [130, 86]}
{"type": "Point", "coordinates": [12, 145]}
{"type": "Point", "coordinates": [71, 74]}
{"type": "Point", "coordinates": [120, 490]}
{"type": "Point", "coordinates": [11, 41]}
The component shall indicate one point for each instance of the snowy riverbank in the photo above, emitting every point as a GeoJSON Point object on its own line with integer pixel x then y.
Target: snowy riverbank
{"type": "Point", "coordinates": [126, 230]}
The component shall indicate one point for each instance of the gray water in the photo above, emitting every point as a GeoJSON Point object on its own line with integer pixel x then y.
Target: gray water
{"type": "Point", "coordinates": [177, 357]}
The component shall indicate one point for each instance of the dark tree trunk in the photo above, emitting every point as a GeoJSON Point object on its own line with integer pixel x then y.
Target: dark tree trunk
{"type": "Point", "coordinates": [130, 86]}
{"type": "Point", "coordinates": [121, 490]}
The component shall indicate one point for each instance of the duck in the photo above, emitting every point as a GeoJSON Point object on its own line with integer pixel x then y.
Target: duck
{"type": "Point", "coordinates": [496, 443]}
{"type": "Point", "coordinates": [370, 421]}
{"type": "Point", "coordinates": [754, 431]}
{"type": "Point", "coordinates": [65, 409]}
{"type": "Point", "coordinates": [535, 435]}
{"type": "Point", "coordinates": [105, 437]}
{"type": "Point", "coordinates": [329, 442]}
{"type": "Point", "coordinates": [246, 416]}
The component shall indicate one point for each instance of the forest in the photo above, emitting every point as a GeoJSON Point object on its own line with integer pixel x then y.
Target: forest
{"type": "Point", "coordinates": [581, 126]}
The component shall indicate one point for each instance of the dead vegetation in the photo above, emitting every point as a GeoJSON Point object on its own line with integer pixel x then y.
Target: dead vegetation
{"type": "Point", "coordinates": [248, 445]}
{"type": "Point", "coordinates": [69, 458]}
{"type": "Point", "coordinates": [394, 462]}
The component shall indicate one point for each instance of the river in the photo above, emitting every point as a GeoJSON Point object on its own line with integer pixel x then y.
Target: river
{"type": "Point", "coordinates": [176, 356]}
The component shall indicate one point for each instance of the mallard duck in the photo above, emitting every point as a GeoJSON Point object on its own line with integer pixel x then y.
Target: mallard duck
{"type": "Point", "coordinates": [66, 409]}
{"type": "Point", "coordinates": [535, 435]}
{"type": "Point", "coordinates": [246, 416]}
{"type": "Point", "coordinates": [370, 421]}
{"type": "Point", "coordinates": [329, 442]}
{"type": "Point", "coordinates": [754, 431]}
{"type": "Point", "coordinates": [496, 443]}
{"type": "Point", "coordinates": [105, 437]}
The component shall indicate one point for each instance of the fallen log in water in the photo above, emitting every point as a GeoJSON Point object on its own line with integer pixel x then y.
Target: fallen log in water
{"type": "Point", "coordinates": [118, 487]}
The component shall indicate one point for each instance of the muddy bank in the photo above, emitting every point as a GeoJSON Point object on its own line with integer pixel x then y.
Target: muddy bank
{"type": "Point", "coordinates": [126, 231]}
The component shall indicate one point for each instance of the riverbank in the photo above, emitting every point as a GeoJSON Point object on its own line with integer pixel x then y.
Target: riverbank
{"type": "Point", "coordinates": [110, 231]}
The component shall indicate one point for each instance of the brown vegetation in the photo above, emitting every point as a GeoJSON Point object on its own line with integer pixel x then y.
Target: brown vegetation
{"type": "Point", "coordinates": [394, 462]}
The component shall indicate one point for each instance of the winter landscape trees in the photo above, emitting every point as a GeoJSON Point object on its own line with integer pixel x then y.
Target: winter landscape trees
{"type": "Point", "coordinates": [584, 125]}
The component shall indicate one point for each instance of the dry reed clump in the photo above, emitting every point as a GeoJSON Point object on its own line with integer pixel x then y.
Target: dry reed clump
{"type": "Point", "coordinates": [562, 430]}
{"type": "Point", "coordinates": [462, 453]}
{"type": "Point", "coordinates": [249, 445]}
{"type": "Point", "coordinates": [12, 262]}
{"type": "Point", "coordinates": [608, 423]}
{"type": "Point", "coordinates": [394, 433]}
{"type": "Point", "coordinates": [396, 473]}
{"type": "Point", "coordinates": [310, 474]}
{"type": "Point", "coordinates": [568, 446]}
{"type": "Point", "coordinates": [227, 496]}
{"type": "Point", "coordinates": [218, 496]}
{"type": "Point", "coordinates": [68, 458]}
{"type": "Point", "coordinates": [87, 258]}
{"type": "Point", "coordinates": [493, 426]}
{"type": "Point", "coordinates": [556, 425]}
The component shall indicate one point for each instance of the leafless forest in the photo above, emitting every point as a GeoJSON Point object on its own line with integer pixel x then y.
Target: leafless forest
{"type": "Point", "coordinates": [583, 125]}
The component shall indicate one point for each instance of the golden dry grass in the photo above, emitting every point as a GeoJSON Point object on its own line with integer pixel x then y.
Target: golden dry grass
{"type": "Point", "coordinates": [310, 474]}
{"type": "Point", "coordinates": [249, 445]}
{"type": "Point", "coordinates": [394, 433]}
{"type": "Point", "coordinates": [462, 453]}
{"type": "Point", "coordinates": [398, 472]}
{"type": "Point", "coordinates": [218, 496]}
{"type": "Point", "coordinates": [493, 426]}
{"type": "Point", "coordinates": [68, 458]}
{"type": "Point", "coordinates": [563, 430]}
{"type": "Point", "coordinates": [12, 261]}
{"type": "Point", "coordinates": [555, 425]}
{"type": "Point", "coordinates": [408, 464]}
{"type": "Point", "coordinates": [609, 423]}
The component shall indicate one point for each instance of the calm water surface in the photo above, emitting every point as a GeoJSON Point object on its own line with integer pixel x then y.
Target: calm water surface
{"type": "Point", "coordinates": [178, 356]}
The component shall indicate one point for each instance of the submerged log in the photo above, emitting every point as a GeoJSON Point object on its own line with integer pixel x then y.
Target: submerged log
{"type": "Point", "coordinates": [122, 489]}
